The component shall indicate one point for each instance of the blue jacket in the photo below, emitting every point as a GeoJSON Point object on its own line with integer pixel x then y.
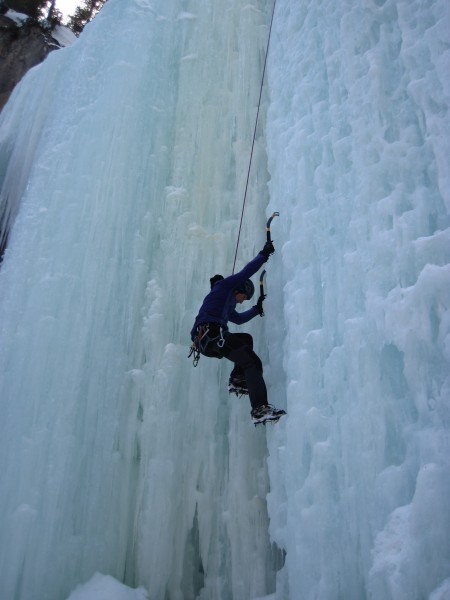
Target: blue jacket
{"type": "Point", "coordinates": [219, 306]}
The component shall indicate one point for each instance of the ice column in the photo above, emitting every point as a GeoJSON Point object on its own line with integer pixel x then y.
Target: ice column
{"type": "Point", "coordinates": [358, 145]}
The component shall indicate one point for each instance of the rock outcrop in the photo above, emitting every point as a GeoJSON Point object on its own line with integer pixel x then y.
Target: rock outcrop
{"type": "Point", "coordinates": [21, 47]}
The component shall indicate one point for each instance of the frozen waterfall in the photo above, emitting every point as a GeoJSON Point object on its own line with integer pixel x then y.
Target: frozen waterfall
{"type": "Point", "coordinates": [123, 163]}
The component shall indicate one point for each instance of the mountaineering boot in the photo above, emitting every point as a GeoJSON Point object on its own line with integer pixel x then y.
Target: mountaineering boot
{"type": "Point", "coordinates": [265, 413]}
{"type": "Point", "coordinates": [238, 386]}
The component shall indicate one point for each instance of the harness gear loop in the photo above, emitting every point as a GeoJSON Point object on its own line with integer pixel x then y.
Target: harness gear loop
{"type": "Point", "coordinates": [254, 134]}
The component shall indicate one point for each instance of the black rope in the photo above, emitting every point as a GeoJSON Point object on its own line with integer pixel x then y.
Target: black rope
{"type": "Point", "coordinates": [254, 135]}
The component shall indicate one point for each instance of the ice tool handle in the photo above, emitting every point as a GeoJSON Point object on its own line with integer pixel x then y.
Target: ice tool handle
{"type": "Point", "coordinates": [275, 214]}
{"type": "Point", "coordinates": [261, 285]}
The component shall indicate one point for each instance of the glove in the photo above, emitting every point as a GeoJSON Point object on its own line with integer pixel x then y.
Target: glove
{"type": "Point", "coordinates": [259, 306]}
{"type": "Point", "coordinates": [267, 250]}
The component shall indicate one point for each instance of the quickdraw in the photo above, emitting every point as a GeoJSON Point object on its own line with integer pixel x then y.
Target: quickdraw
{"type": "Point", "coordinates": [195, 352]}
{"type": "Point", "coordinates": [196, 347]}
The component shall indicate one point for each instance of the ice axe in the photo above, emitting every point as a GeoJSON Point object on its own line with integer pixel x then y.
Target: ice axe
{"type": "Point", "coordinates": [275, 214]}
{"type": "Point", "coordinates": [262, 295]}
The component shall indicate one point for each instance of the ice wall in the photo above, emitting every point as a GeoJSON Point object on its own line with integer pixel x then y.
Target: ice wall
{"type": "Point", "coordinates": [124, 158]}
{"type": "Point", "coordinates": [358, 145]}
{"type": "Point", "coordinates": [123, 162]}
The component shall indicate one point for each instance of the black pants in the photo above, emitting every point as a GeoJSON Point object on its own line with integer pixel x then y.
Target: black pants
{"type": "Point", "coordinates": [237, 374]}
{"type": "Point", "coordinates": [238, 347]}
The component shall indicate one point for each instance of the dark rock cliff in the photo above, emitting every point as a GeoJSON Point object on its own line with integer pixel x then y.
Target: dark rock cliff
{"type": "Point", "coordinates": [21, 47]}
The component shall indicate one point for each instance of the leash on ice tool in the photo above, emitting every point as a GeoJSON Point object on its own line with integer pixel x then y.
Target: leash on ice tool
{"type": "Point", "coordinates": [254, 135]}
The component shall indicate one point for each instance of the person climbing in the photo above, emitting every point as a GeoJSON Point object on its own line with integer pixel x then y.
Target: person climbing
{"type": "Point", "coordinates": [211, 337]}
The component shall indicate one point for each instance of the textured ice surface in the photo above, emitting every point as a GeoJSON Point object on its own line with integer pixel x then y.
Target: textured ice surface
{"type": "Point", "coordinates": [127, 155]}
{"type": "Point", "coordinates": [123, 163]}
{"type": "Point", "coordinates": [104, 587]}
{"type": "Point", "coordinates": [357, 138]}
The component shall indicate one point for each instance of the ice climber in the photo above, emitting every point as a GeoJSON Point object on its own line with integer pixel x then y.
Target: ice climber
{"type": "Point", "coordinates": [211, 337]}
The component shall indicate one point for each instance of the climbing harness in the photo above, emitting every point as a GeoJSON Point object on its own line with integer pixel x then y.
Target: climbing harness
{"type": "Point", "coordinates": [254, 135]}
{"type": "Point", "coordinates": [202, 340]}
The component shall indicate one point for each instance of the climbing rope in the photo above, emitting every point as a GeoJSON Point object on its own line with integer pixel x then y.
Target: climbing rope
{"type": "Point", "coordinates": [254, 135]}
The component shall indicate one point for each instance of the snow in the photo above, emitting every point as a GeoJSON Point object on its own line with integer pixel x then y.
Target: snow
{"type": "Point", "coordinates": [64, 36]}
{"type": "Point", "coordinates": [127, 473]}
{"type": "Point", "coordinates": [104, 587]}
{"type": "Point", "coordinates": [17, 17]}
